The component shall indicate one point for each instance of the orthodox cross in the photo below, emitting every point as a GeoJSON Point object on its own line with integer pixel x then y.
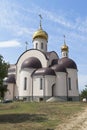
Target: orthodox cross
{"type": "Point", "coordinates": [64, 39]}
{"type": "Point", "coordinates": [40, 21]}
{"type": "Point", "coordinates": [26, 43]}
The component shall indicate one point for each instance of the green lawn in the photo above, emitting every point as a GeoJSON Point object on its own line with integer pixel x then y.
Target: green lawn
{"type": "Point", "coordinates": [36, 116]}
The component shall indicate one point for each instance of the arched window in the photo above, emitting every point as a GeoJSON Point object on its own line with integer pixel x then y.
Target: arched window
{"type": "Point", "coordinates": [25, 83]}
{"type": "Point", "coordinates": [53, 90]}
{"type": "Point", "coordinates": [77, 83]}
{"type": "Point", "coordinates": [41, 84]}
{"type": "Point", "coordinates": [69, 83]}
{"type": "Point", "coordinates": [36, 45]}
{"type": "Point", "coordinates": [42, 45]}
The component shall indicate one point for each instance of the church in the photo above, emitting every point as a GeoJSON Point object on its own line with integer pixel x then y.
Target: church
{"type": "Point", "coordinates": [39, 75]}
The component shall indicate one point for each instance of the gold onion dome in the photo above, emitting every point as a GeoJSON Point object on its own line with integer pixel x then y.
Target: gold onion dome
{"type": "Point", "coordinates": [40, 33]}
{"type": "Point", "coordinates": [64, 47]}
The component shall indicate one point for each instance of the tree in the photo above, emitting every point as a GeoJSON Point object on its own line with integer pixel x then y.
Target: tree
{"type": "Point", "coordinates": [84, 93]}
{"type": "Point", "coordinates": [3, 73]}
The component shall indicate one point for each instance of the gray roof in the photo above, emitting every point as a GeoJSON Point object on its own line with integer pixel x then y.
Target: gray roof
{"type": "Point", "coordinates": [44, 71]}
{"type": "Point", "coordinates": [67, 63]}
{"type": "Point", "coordinates": [11, 79]}
{"type": "Point", "coordinates": [59, 68]}
{"type": "Point", "coordinates": [54, 62]}
{"type": "Point", "coordinates": [31, 62]}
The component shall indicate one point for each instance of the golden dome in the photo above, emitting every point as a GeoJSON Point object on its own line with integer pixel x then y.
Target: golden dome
{"type": "Point", "coordinates": [40, 33]}
{"type": "Point", "coordinates": [64, 47]}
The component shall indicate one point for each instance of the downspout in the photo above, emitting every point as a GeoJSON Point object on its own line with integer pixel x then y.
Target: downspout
{"type": "Point", "coordinates": [32, 88]}
{"type": "Point", "coordinates": [44, 87]}
{"type": "Point", "coordinates": [32, 83]}
{"type": "Point", "coordinates": [67, 86]}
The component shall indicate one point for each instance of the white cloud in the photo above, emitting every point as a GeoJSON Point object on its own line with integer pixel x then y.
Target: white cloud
{"type": "Point", "coordinates": [13, 18]}
{"type": "Point", "coordinates": [10, 43]}
{"type": "Point", "coordinates": [78, 23]}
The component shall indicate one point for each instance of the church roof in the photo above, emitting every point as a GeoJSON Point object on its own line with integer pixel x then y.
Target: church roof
{"type": "Point", "coordinates": [31, 62]}
{"type": "Point", "coordinates": [54, 62]}
{"type": "Point", "coordinates": [11, 79]}
{"type": "Point", "coordinates": [44, 71]}
{"type": "Point", "coordinates": [67, 63]}
{"type": "Point", "coordinates": [59, 68]}
{"type": "Point", "coordinates": [48, 54]}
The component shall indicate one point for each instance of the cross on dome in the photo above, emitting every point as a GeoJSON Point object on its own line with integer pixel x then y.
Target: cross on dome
{"type": "Point", "coordinates": [26, 43]}
{"type": "Point", "coordinates": [40, 33]}
{"type": "Point", "coordinates": [64, 47]}
{"type": "Point", "coordinates": [64, 39]}
{"type": "Point", "coordinates": [40, 21]}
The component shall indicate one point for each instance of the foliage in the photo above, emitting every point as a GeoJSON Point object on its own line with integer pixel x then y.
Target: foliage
{"type": "Point", "coordinates": [3, 73]}
{"type": "Point", "coordinates": [84, 93]}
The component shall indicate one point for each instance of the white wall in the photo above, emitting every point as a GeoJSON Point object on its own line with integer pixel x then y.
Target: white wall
{"type": "Point", "coordinates": [61, 89]}
{"type": "Point", "coordinates": [36, 87]}
{"type": "Point", "coordinates": [25, 73]}
{"type": "Point", "coordinates": [10, 93]}
{"type": "Point", "coordinates": [72, 73]}
{"type": "Point", "coordinates": [48, 81]}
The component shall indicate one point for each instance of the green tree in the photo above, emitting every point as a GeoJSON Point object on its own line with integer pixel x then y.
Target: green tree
{"type": "Point", "coordinates": [84, 93]}
{"type": "Point", "coordinates": [3, 73]}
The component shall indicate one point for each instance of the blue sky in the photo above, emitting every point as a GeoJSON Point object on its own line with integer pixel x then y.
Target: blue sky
{"type": "Point", "coordinates": [19, 20]}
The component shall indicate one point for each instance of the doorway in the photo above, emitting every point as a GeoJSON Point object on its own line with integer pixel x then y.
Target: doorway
{"type": "Point", "coordinates": [53, 90]}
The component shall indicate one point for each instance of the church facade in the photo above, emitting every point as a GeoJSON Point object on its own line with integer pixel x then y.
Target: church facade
{"type": "Point", "coordinates": [40, 75]}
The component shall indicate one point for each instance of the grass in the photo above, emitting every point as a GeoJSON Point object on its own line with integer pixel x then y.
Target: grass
{"type": "Point", "coordinates": [37, 116]}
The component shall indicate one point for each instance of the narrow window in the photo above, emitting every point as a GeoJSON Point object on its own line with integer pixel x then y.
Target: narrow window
{"type": "Point", "coordinates": [77, 84]}
{"type": "Point", "coordinates": [66, 55]}
{"type": "Point", "coordinates": [42, 45]}
{"type": "Point", "coordinates": [41, 84]}
{"type": "Point", "coordinates": [25, 83]}
{"type": "Point", "coordinates": [46, 46]}
{"type": "Point", "coordinates": [69, 83]}
{"type": "Point", "coordinates": [36, 45]}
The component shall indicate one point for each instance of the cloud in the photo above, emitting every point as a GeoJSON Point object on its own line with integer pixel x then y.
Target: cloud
{"type": "Point", "coordinates": [10, 43]}
{"type": "Point", "coordinates": [14, 16]}
{"type": "Point", "coordinates": [64, 19]}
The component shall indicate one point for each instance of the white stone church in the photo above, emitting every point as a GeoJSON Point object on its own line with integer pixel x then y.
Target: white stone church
{"type": "Point", "coordinates": [40, 75]}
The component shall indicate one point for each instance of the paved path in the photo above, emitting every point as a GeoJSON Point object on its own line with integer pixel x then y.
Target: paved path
{"type": "Point", "coordinates": [77, 122]}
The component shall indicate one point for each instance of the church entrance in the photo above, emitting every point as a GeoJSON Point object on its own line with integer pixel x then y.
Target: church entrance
{"type": "Point", "coordinates": [53, 90]}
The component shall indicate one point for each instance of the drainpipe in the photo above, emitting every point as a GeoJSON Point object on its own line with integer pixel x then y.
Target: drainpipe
{"type": "Point", "coordinates": [67, 86]}
{"type": "Point", "coordinates": [32, 88]}
{"type": "Point", "coordinates": [44, 87]}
